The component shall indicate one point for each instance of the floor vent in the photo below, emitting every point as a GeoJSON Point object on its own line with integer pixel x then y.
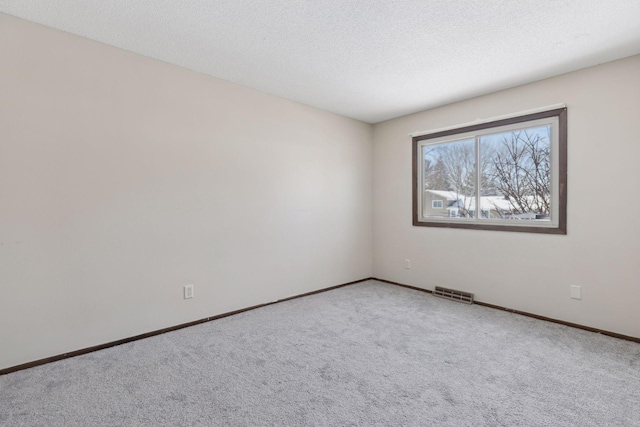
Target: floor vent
{"type": "Point", "coordinates": [453, 294]}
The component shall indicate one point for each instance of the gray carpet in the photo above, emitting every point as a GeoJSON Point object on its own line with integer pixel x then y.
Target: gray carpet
{"type": "Point", "coordinates": [370, 354]}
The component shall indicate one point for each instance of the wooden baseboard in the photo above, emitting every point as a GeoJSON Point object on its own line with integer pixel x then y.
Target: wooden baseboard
{"type": "Point", "coordinates": [231, 313]}
{"type": "Point", "coordinates": [415, 288]}
{"type": "Point", "coordinates": [524, 313]}
{"type": "Point", "coordinates": [162, 331]}
{"type": "Point", "coordinates": [561, 322]}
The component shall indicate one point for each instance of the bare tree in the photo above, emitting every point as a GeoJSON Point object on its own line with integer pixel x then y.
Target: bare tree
{"type": "Point", "coordinates": [521, 171]}
{"type": "Point", "coordinates": [436, 175]}
{"type": "Point", "coordinates": [459, 161]}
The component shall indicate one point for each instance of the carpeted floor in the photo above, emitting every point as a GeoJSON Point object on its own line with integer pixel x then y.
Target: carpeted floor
{"type": "Point", "coordinates": [370, 354]}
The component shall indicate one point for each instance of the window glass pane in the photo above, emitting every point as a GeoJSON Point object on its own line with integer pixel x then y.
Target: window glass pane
{"type": "Point", "coordinates": [449, 179]}
{"type": "Point", "coordinates": [516, 174]}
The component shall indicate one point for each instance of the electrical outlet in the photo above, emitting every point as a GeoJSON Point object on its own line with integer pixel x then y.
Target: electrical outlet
{"type": "Point", "coordinates": [576, 292]}
{"type": "Point", "coordinates": [188, 291]}
{"type": "Point", "coordinates": [407, 264]}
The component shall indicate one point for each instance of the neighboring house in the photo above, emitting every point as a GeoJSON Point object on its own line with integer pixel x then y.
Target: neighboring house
{"type": "Point", "coordinates": [439, 203]}
{"type": "Point", "coordinates": [494, 207]}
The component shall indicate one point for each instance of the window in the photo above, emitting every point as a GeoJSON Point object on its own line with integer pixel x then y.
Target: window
{"type": "Point", "coordinates": [508, 175]}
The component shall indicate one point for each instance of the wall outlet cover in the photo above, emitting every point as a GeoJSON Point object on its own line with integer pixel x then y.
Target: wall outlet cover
{"type": "Point", "coordinates": [188, 291]}
{"type": "Point", "coordinates": [576, 292]}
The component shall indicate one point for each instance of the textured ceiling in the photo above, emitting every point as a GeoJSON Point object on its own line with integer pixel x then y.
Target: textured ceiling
{"type": "Point", "coordinates": [368, 59]}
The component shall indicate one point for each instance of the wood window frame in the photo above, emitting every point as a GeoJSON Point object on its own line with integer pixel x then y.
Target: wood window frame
{"type": "Point", "coordinates": [560, 228]}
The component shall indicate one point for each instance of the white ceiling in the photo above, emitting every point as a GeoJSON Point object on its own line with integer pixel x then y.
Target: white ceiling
{"type": "Point", "coordinates": [368, 59]}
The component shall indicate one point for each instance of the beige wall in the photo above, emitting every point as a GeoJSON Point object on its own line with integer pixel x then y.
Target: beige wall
{"type": "Point", "coordinates": [123, 179]}
{"type": "Point", "coordinates": [531, 272]}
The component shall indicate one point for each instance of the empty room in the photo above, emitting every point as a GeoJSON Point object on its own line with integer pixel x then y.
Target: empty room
{"type": "Point", "coordinates": [329, 213]}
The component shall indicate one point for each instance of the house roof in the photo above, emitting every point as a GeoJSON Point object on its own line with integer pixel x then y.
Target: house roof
{"type": "Point", "coordinates": [494, 202]}
{"type": "Point", "coordinates": [486, 203]}
{"type": "Point", "coordinates": [370, 60]}
{"type": "Point", "coordinates": [447, 195]}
